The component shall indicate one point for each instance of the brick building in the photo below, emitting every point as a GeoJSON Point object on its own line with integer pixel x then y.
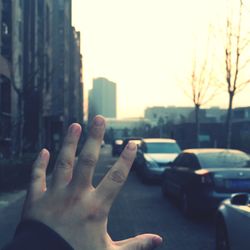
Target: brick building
{"type": "Point", "coordinates": [41, 90]}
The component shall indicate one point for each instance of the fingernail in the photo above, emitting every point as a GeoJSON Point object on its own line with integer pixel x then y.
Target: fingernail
{"type": "Point", "coordinates": [41, 154]}
{"type": "Point", "coordinates": [74, 129]}
{"type": "Point", "coordinates": [131, 145]}
{"type": "Point", "coordinates": [99, 121]}
{"type": "Point", "coordinates": [157, 241]}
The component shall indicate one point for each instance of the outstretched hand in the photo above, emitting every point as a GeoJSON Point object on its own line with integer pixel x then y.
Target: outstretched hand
{"type": "Point", "coordinates": [71, 206]}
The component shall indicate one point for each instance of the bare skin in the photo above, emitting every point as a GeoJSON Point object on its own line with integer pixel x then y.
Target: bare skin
{"type": "Point", "coordinates": [71, 206]}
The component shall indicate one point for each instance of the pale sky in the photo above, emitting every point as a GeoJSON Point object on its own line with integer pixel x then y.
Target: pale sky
{"type": "Point", "coordinates": [146, 47]}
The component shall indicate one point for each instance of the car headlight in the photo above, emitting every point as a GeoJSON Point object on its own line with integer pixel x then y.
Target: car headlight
{"type": "Point", "coordinates": [151, 164]}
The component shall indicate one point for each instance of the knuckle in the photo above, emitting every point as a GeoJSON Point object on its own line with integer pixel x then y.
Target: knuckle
{"type": "Point", "coordinates": [36, 175]}
{"type": "Point", "coordinates": [117, 176]}
{"type": "Point", "coordinates": [64, 163]}
{"type": "Point", "coordinates": [97, 213]}
{"type": "Point", "coordinates": [88, 160]}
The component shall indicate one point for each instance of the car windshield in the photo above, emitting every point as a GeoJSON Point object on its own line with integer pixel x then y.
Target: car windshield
{"type": "Point", "coordinates": [162, 147]}
{"type": "Point", "coordinates": [224, 160]}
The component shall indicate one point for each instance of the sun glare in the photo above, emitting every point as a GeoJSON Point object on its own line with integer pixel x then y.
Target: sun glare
{"type": "Point", "coordinates": [146, 47]}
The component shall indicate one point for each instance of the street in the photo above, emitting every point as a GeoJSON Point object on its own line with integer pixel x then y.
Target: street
{"type": "Point", "coordinates": [139, 208]}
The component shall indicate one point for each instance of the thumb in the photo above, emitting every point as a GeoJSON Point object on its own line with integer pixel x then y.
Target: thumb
{"type": "Point", "coordinates": [142, 242]}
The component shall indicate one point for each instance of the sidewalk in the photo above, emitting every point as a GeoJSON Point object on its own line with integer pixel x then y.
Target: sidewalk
{"type": "Point", "coordinates": [6, 198]}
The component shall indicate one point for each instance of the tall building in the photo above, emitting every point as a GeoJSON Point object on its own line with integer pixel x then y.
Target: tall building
{"type": "Point", "coordinates": [54, 94]}
{"type": "Point", "coordinates": [76, 81]}
{"type": "Point", "coordinates": [5, 83]}
{"type": "Point", "coordinates": [41, 87]}
{"type": "Point", "coordinates": [11, 56]}
{"type": "Point", "coordinates": [34, 42]}
{"type": "Point", "coordinates": [102, 98]}
{"type": "Point", "coordinates": [63, 88]}
{"type": "Point", "coordinates": [57, 87]}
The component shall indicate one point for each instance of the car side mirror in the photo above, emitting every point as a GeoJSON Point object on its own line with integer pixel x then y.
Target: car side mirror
{"type": "Point", "coordinates": [240, 199]}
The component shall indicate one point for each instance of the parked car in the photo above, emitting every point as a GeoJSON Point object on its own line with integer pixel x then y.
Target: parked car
{"type": "Point", "coordinates": [233, 223]}
{"type": "Point", "coordinates": [153, 157]}
{"type": "Point", "coordinates": [117, 147]}
{"type": "Point", "coordinates": [202, 178]}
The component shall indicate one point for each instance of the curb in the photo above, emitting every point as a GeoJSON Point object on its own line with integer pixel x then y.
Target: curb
{"type": "Point", "coordinates": [7, 198]}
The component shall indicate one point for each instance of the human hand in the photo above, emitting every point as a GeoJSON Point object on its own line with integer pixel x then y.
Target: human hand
{"type": "Point", "coordinates": [71, 206]}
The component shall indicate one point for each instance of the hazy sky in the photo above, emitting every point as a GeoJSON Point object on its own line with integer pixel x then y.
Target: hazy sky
{"type": "Point", "coordinates": [146, 47]}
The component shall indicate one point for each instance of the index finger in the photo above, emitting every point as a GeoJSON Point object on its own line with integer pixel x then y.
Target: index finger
{"type": "Point", "coordinates": [111, 184]}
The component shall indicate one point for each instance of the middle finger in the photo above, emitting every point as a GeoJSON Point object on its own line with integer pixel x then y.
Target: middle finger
{"type": "Point", "coordinates": [84, 170]}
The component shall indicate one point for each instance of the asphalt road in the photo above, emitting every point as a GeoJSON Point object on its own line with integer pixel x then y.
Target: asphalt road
{"type": "Point", "coordinates": [139, 208]}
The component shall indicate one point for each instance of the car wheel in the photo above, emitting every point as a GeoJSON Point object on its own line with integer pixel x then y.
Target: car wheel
{"type": "Point", "coordinates": [185, 204]}
{"type": "Point", "coordinates": [221, 236]}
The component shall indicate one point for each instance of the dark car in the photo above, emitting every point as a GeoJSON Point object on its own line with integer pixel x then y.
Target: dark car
{"type": "Point", "coordinates": [233, 223]}
{"type": "Point", "coordinates": [202, 178]}
{"type": "Point", "coordinates": [153, 157]}
{"type": "Point", "coordinates": [117, 147]}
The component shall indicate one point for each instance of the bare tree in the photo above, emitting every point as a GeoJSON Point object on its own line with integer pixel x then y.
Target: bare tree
{"type": "Point", "coordinates": [237, 42]}
{"type": "Point", "coordinates": [201, 83]}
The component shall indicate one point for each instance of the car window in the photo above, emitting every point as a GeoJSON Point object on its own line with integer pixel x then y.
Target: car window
{"type": "Point", "coordinates": [162, 147]}
{"type": "Point", "coordinates": [190, 161]}
{"type": "Point", "coordinates": [225, 159]}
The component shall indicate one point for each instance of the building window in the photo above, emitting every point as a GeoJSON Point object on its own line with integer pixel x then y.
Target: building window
{"type": "Point", "coordinates": [5, 29]}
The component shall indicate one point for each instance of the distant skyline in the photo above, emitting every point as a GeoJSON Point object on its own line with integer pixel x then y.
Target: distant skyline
{"type": "Point", "coordinates": [146, 47]}
{"type": "Point", "coordinates": [102, 99]}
